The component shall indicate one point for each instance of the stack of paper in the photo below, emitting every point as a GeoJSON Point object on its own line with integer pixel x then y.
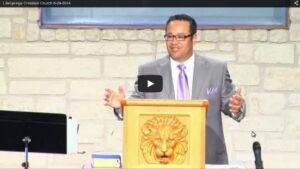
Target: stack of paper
{"type": "Point", "coordinates": [106, 160]}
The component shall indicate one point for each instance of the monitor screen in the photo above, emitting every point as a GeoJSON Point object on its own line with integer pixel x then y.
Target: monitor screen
{"type": "Point", "coordinates": [47, 131]}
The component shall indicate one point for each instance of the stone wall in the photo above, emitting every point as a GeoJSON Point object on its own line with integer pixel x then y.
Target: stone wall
{"type": "Point", "coordinates": [67, 70]}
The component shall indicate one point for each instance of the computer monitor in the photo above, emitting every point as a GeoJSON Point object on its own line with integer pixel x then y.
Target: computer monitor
{"type": "Point", "coordinates": [49, 132]}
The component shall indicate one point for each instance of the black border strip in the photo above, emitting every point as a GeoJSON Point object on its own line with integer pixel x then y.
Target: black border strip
{"type": "Point", "coordinates": [149, 3]}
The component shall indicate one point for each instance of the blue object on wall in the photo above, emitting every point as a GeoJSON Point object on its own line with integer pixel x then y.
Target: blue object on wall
{"type": "Point", "coordinates": [157, 17]}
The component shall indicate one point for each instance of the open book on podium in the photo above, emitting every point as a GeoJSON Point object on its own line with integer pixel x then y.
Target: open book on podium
{"type": "Point", "coordinates": [164, 133]}
{"type": "Point", "coordinates": [106, 160]}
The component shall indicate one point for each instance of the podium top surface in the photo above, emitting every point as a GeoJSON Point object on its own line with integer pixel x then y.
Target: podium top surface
{"type": "Point", "coordinates": [165, 102]}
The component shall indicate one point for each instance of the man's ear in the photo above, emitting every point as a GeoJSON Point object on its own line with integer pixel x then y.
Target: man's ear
{"type": "Point", "coordinates": [195, 36]}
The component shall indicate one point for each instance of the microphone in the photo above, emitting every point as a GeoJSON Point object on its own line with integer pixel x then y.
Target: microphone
{"type": "Point", "coordinates": [257, 155]}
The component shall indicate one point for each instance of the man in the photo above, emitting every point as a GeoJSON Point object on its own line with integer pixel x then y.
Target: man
{"type": "Point", "coordinates": [187, 75]}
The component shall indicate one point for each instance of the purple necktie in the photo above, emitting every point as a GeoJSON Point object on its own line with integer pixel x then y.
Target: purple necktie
{"type": "Point", "coordinates": [183, 84]}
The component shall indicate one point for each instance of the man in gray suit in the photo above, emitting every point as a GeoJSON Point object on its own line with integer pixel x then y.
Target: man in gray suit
{"type": "Point", "coordinates": [204, 78]}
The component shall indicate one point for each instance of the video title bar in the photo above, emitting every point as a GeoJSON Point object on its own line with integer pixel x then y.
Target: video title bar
{"type": "Point", "coordinates": [149, 3]}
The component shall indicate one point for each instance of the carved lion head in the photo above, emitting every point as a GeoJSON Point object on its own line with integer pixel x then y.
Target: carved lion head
{"type": "Point", "coordinates": [164, 140]}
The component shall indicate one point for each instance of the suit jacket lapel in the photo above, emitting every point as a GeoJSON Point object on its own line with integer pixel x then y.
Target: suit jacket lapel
{"type": "Point", "coordinates": [199, 79]}
{"type": "Point", "coordinates": [200, 75]}
{"type": "Point", "coordinates": [165, 69]}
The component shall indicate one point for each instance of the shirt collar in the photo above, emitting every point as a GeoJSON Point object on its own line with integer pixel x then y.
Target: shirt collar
{"type": "Point", "coordinates": [188, 63]}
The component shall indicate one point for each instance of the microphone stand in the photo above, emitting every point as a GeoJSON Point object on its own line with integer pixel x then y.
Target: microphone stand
{"type": "Point", "coordinates": [26, 141]}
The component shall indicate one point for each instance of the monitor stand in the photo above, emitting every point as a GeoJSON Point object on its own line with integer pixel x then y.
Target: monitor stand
{"type": "Point", "coordinates": [26, 141]}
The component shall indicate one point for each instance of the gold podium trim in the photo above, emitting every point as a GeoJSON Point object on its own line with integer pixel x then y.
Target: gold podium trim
{"type": "Point", "coordinates": [155, 102]}
{"type": "Point", "coordinates": [164, 133]}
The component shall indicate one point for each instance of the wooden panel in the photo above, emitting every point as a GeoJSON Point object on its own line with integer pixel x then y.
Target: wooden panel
{"type": "Point", "coordinates": [156, 131]}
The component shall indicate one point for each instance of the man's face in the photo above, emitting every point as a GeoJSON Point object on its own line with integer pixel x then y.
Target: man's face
{"type": "Point", "coordinates": [180, 50]}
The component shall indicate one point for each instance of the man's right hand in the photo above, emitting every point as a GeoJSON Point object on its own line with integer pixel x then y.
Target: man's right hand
{"type": "Point", "coordinates": [113, 99]}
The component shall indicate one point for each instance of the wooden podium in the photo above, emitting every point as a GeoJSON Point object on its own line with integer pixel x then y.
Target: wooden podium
{"type": "Point", "coordinates": [164, 133]}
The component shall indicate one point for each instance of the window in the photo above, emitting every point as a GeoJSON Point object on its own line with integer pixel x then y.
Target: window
{"type": "Point", "coordinates": [207, 18]}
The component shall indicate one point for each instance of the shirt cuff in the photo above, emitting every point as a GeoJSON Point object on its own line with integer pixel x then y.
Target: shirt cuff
{"type": "Point", "coordinates": [239, 115]}
{"type": "Point", "coordinates": [118, 113]}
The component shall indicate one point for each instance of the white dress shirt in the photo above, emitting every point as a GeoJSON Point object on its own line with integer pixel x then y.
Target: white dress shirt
{"type": "Point", "coordinates": [189, 72]}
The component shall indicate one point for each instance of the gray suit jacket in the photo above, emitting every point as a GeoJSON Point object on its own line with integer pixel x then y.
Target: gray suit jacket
{"type": "Point", "coordinates": [212, 82]}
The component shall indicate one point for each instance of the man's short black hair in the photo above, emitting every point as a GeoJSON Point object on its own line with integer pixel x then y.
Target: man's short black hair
{"type": "Point", "coordinates": [184, 17]}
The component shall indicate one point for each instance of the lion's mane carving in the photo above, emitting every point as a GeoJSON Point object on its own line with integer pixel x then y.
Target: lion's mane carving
{"type": "Point", "coordinates": [163, 140]}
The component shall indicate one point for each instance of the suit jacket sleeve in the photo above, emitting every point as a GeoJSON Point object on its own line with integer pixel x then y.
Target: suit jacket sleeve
{"type": "Point", "coordinates": [228, 90]}
{"type": "Point", "coordinates": [136, 94]}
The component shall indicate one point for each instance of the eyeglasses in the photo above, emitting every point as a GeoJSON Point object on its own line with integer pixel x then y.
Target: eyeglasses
{"type": "Point", "coordinates": [180, 37]}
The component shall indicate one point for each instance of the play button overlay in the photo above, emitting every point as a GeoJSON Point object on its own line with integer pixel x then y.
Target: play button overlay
{"type": "Point", "coordinates": [150, 83]}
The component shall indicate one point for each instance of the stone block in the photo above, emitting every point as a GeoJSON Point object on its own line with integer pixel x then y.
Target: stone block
{"type": "Point", "coordinates": [241, 76]}
{"type": "Point", "coordinates": [5, 28]}
{"type": "Point", "coordinates": [26, 87]}
{"type": "Point", "coordinates": [266, 103]}
{"type": "Point", "coordinates": [259, 35]}
{"type": "Point", "coordinates": [54, 67]}
{"type": "Point", "coordinates": [140, 48]}
{"type": "Point", "coordinates": [282, 78]}
{"type": "Point", "coordinates": [274, 53]}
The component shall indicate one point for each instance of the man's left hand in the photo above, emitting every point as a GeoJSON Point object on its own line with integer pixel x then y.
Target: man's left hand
{"type": "Point", "coordinates": [236, 101]}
